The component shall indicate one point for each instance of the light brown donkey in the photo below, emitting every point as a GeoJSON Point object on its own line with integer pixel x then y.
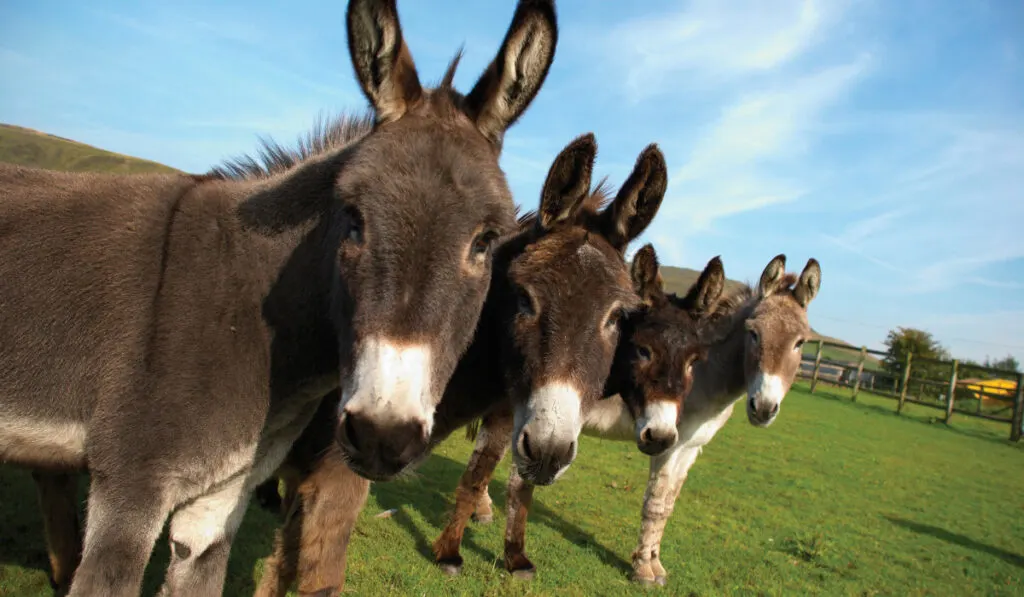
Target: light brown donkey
{"type": "Point", "coordinates": [544, 346]}
{"type": "Point", "coordinates": [756, 350]}
{"type": "Point", "coordinates": [174, 334]}
{"type": "Point", "coordinates": [651, 377]}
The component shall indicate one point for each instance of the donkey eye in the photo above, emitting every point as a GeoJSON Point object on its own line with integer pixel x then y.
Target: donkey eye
{"type": "Point", "coordinates": [482, 243]}
{"type": "Point", "coordinates": [525, 304]}
{"type": "Point", "coordinates": [799, 344]}
{"type": "Point", "coordinates": [615, 317]}
{"type": "Point", "coordinates": [754, 337]}
{"type": "Point", "coordinates": [355, 227]}
{"type": "Point", "coordinates": [643, 353]}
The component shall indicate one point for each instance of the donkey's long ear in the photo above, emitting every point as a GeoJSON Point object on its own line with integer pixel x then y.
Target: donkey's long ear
{"type": "Point", "coordinates": [703, 296]}
{"type": "Point", "coordinates": [638, 199]}
{"type": "Point", "coordinates": [512, 80]}
{"type": "Point", "coordinates": [808, 284]}
{"type": "Point", "coordinates": [646, 275]}
{"type": "Point", "coordinates": [568, 182]}
{"type": "Point", "coordinates": [771, 276]}
{"type": "Point", "coordinates": [382, 61]}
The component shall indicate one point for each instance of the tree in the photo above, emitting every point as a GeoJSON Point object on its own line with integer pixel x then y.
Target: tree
{"type": "Point", "coordinates": [923, 345]}
{"type": "Point", "coordinates": [1008, 363]}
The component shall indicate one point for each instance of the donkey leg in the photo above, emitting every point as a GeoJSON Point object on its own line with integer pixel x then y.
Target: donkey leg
{"type": "Point", "coordinates": [330, 498]}
{"type": "Point", "coordinates": [122, 523]}
{"type": "Point", "coordinates": [520, 498]}
{"type": "Point", "coordinates": [58, 500]}
{"type": "Point", "coordinates": [484, 513]}
{"type": "Point", "coordinates": [668, 473]}
{"type": "Point", "coordinates": [280, 568]}
{"type": "Point", "coordinates": [201, 534]}
{"type": "Point", "coordinates": [492, 443]}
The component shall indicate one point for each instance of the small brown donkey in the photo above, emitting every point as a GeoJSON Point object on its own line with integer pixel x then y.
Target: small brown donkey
{"type": "Point", "coordinates": [174, 334]}
{"type": "Point", "coordinates": [651, 376]}
{"type": "Point", "coordinates": [542, 351]}
{"type": "Point", "coordinates": [756, 339]}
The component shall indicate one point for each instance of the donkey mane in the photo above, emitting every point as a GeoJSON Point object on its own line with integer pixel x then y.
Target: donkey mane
{"type": "Point", "coordinates": [336, 132]}
{"type": "Point", "coordinates": [326, 134]}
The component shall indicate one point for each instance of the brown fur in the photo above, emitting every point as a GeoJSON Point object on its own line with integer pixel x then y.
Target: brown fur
{"type": "Point", "coordinates": [175, 333]}
{"type": "Point", "coordinates": [577, 281]}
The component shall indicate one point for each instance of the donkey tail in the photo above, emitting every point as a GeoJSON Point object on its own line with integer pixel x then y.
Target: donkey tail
{"type": "Point", "coordinates": [472, 430]}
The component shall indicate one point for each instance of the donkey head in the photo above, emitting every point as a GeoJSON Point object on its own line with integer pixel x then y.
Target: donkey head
{"type": "Point", "coordinates": [419, 203]}
{"type": "Point", "coordinates": [653, 367]}
{"type": "Point", "coordinates": [776, 331]}
{"type": "Point", "coordinates": [564, 289]}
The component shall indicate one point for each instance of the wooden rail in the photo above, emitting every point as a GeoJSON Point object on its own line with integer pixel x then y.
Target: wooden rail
{"type": "Point", "coordinates": [903, 380]}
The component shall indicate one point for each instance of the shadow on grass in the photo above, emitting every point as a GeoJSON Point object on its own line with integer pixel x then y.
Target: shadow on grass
{"type": "Point", "coordinates": [429, 494]}
{"type": "Point", "coordinates": [843, 396]}
{"type": "Point", "coordinates": [957, 539]}
{"type": "Point", "coordinates": [23, 545]}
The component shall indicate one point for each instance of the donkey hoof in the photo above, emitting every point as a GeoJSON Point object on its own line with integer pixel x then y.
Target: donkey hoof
{"type": "Point", "coordinates": [451, 569]}
{"type": "Point", "coordinates": [483, 518]}
{"type": "Point", "coordinates": [661, 581]}
{"type": "Point", "coordinates": [451, 566]}
{"type": "Point", "coordinates": [648, 581]}
{"type": "Point", "coordinates": [524, 573]}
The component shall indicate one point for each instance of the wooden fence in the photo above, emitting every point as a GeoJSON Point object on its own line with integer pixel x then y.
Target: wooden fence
{"type": "Point", "coordinates": [951, 386]}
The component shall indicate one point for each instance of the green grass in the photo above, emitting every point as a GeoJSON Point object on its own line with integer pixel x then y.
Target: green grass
{"type": "Point", "coordinates": [836, 498]}
{"type": "Point", "coordinates": [27, 147]}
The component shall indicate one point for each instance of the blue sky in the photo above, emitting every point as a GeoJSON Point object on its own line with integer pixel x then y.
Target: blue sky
{"type": "Point", "coordinates": [885, 139]}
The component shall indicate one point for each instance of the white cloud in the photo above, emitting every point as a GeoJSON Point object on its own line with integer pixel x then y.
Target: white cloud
{"type": "Point", "coordinates": [712, 40]}
{"type": "Point", "coordinates": [741, 163]}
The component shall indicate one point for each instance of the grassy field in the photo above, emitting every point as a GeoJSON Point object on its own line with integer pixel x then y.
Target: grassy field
{"type": "Point", "coordinates": [27, 147]}
{"type": "Point", "coordinates": [835, 499]}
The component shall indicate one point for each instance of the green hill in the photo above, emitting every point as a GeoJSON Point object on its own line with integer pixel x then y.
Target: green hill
{"type": "Point", "coordinates": [27, 147]}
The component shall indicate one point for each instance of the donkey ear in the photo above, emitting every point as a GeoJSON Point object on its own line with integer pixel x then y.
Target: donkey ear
{"type": "Point", "coordinates": [808, 284]}
{"type": "Point", "coordinates": [568, 181]}
{"type": "Point", "coordinates": [381, 59]}
{"type": "Point", "coordinates": [512, 80]}
{"type": "Point", "coordinates": [771, 276]}
{"type": "Point", "coordinates": [638, 199]}
{"type": "Point", "coordinates": [646, 274]}
{"type": "Point", "coordinates": [707, 290]}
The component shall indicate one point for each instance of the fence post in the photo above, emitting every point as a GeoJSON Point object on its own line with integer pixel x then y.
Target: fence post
{"type": "Point", "coordinates": [906, 381]}
{"type": "Point", "coordinates": [817, 365]}
{"type": "Point", "coordinates": [1018, 410]}
{"type": "Point", "coordinates": [860, 370]}
{"type": "Point", "coordinates": [952, 390]}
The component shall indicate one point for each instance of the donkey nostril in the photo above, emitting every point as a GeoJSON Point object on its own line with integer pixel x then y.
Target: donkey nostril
{"type": "Point", "coordinates": [526, 446]}
{"type": "Point", "coordinates": [775, 409]}
{"type": "Point", "coordinates": [350, 431]}
{"type": "Point", "coordinates": [647, 436]}
{"type": "Point", "coordinates": [569, 452]}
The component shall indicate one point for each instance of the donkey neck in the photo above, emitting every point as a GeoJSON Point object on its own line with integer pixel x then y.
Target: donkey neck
{"type": "Point", "coordinates": [276, 246]}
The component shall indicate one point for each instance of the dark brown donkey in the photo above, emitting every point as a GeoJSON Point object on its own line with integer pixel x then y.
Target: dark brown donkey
{"type": "Point", "coordinates": [174, 334]}
{"type": "Point", "coordinates": [543, 349]}
{"type": "Point", "coordinates": [652, 373]}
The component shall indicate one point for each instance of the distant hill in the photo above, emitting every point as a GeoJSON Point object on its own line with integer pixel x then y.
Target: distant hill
{"type": "Point", "coordinates": [27, 147]}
